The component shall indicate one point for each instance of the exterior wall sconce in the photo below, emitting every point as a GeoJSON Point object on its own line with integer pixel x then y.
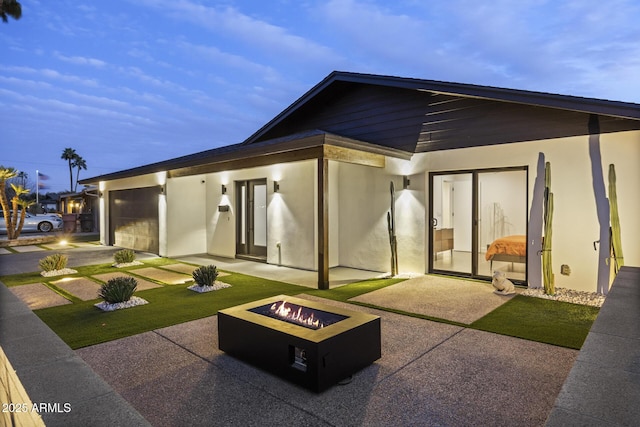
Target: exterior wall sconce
{"type": "Point", "coordinates": [406, 182]}
{"type": "Point", "coordinates": [224, 189]}
{"type": "Point", "coordinates": [276, 186]}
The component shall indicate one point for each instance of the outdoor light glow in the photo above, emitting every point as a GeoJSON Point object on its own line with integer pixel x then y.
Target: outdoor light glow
{"type": "Point", "coordinates": [161, 178]}
{"type": "Point", "coordinates": [63, 242]}
{"type": "Point", "coordinates": [224, 178]}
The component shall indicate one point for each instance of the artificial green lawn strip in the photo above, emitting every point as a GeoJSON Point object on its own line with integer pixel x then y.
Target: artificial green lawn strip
{"type": "Point", "coordinates": [536, 319]}
{"type": "Point", "coordinates": [63, 293]}
{"type": "Point", "coordinates": [83, 271]}
{"type": "Point", "coordinates": [82, 324]}
{"type": "Point", "coordinates": [352, 290]}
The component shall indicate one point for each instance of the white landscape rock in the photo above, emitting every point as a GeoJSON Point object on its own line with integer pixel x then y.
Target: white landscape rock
{"type": "Point", "coordinates": [568, 295]}
{"type": "Point", "coordinates": [62, 272]}
{"type": "Point", "coordinates": [216, 286]}
{"type": "Point", "coordinates": [127, 264]}
{"type": "Point", "coordinates": [133, 301]}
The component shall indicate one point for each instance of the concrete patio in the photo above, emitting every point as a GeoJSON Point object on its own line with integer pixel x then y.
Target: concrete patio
{"type": "Point", "coordinates": [430, 373]}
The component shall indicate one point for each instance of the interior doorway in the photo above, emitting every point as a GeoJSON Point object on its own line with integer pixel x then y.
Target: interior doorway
{"type": "Point", "coordinates": [251, 220]}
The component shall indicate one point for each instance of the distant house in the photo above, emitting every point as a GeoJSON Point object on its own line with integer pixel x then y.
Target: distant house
{"type": "Point", "coordinates": [310, 189]}
{"type": "Point", "coordinates": [84, 205]}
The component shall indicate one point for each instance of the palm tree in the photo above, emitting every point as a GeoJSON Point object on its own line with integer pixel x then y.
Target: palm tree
{"type": "Point", "coordinates": [10, 8]}
{"type": "Point", "coordinates": [70, 155]}
{"type": "Point", "coordinates": [15, 202]}
{"type": "Point", "coordinates": [6, 173]}
{"type": "Point", "coordinates": [78, 163]}
{"type": "Point", "coordinates": [24, 204]}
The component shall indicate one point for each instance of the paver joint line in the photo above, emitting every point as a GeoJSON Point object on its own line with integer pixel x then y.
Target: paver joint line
{"type": "Point", "coordinates": [406, 365]}
{"type": "Point", "coordinates": [275, 396]}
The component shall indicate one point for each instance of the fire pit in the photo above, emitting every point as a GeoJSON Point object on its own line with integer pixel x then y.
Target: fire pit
{"type": "Point", "coordinates": [309, 343]}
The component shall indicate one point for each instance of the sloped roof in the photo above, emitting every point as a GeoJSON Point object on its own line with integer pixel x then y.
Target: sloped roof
{"type": "Point", "coordinates": [400, 116]}
{"type": "Point", "coordinates": [419, 115]}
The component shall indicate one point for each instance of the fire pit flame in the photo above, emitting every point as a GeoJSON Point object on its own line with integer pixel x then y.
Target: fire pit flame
{"type": "Point", "coordinates": [298, 314]}
{"type": "Point", "coordinates": [285, 312]}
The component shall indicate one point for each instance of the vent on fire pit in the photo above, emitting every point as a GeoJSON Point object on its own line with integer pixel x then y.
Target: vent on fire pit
{"type": "Point", "coordinates": [298, 315]}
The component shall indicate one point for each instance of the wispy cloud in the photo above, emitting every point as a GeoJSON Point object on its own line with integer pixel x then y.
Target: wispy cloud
{"type": "Point", "coordinates": [80, 60]}
{"type": "Point", "coordinates": [256, 34]}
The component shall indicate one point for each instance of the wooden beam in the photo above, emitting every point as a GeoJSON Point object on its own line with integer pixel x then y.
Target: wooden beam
{"type": "Point", "coordinates": [349, 155]}
{"type": "Point", "coordinates": [249, 162]}
{"type": "Point", "coordinates": [323, 223]}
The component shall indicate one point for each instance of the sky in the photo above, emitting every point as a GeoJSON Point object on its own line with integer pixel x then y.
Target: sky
{"type": "Point", "coordinates": [128, 83]}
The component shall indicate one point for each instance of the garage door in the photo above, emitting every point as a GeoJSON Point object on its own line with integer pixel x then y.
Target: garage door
{"type": "Point", "coordinates": [133, 219]}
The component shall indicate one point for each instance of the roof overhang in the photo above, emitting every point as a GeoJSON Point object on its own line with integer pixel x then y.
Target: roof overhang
{"type": "Point", "coordinates": [302, 146]}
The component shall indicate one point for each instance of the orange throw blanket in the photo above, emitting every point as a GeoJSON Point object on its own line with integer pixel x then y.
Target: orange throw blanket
{"type": "Point", "coordinates": [508, 245]}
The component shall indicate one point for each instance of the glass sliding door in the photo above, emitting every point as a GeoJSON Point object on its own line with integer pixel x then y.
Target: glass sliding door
{"type": "Point", "coordinates": [479, 223]}
{"type": "Point", "coordinates": [451, 221]}
{"type": "Point", "coordinates": [502, 223]}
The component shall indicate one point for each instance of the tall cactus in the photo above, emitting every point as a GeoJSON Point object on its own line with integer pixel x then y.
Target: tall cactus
{"type": "Point", "coordinates": [547, 270]}
{"type": "Point", "coordinates": [391, 228]}
{"type": "Point", "coordinates": [616, 239]}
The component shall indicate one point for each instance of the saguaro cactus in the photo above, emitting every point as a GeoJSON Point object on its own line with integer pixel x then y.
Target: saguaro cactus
{"type": "Point", "coordinates": [391, 227]}
{"type": "Point", "coordinates": [616, 235]}
{"type": "Point", "coordinates": [547, 270]}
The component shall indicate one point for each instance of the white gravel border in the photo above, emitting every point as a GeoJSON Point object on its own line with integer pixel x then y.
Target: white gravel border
{"type": "Point", "coordinates": [127, 264]}
{"type": "Point", "coordinates": [216, 286]}
{"type": "Point", "coordinates": [62, 272]}
{"type": "Point", "coordinates": [568, 295]}
{"type": "Point", "coordinates": [133, 301]}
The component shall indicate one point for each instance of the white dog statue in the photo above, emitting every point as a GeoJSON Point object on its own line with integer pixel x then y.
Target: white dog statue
{"type": "Point", "coordinates": [503, 285]}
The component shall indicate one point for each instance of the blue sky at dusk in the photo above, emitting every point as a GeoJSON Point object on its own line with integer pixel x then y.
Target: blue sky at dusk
{"type": "Point", "coordinates": [127, 83]}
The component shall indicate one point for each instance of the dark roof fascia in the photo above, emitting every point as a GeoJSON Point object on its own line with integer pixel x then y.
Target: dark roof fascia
{"type": "Point", "coordinates": [191, 159]}
{"type": "Point", "coordinates": [623, 110]}
{"type": "Point", "coordinates": [291, 143]}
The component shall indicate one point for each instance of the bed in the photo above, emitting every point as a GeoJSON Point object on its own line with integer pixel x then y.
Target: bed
{"type": "Point", "coordinates": [507, 249]}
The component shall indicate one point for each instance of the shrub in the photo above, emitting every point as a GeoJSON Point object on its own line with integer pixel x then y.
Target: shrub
{"type": "Point", "coordinates": [118, 289]}
{"type": "Point", "coordinates": [124, 256]}
{"type": "Point", "coordinates": [205, 275]}
{"type": "Point", "coordinates": [53, 262]}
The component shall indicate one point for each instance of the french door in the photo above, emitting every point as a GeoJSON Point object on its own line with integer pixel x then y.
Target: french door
{"type": "Point", "coordinates": [251, 220]}
{"type": "Point", "coordinates": [471, 213]}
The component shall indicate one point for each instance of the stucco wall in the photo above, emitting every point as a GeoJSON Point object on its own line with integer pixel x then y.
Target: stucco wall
{"type": "Point", "coordinates": [364, 202]}
{"type": "Point", "coordinates": [185, 216]}
{"type": "Point", "coordinates": [575, 223]}
{"type": "Point", "coordinates": [290, 213]}
{"type": "Point", "coordinates": [359, 202]}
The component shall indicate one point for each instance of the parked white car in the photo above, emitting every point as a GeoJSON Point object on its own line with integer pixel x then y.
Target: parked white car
{"type": "Point", "coordinates": [41, 222]}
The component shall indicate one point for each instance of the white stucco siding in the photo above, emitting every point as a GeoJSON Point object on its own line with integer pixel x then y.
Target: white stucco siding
{"type": "Point", "coordinates": [290, 213]}
{"type": "Point", "coordinates": [220, 226]}
{"type": "Point", "coordinates": [364, 202]}
{"type": "Point", "coordinates": [575, 221]}
{"type": "Point", "coordinates": [185, 216]}
{"type": "Point", "coordinates": [623, 150]}
{"type": "Point", "coordinates": [291, 216]}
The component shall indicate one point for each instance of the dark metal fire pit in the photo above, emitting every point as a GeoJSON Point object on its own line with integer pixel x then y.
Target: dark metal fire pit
{"type": "Point", "coordinates": [315, 346]}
